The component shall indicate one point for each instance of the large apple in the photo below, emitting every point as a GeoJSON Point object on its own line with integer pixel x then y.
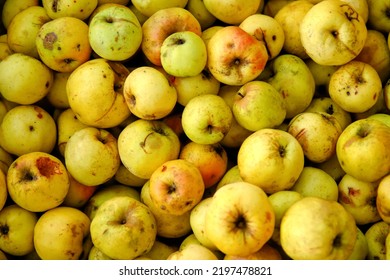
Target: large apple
{"type": "Point", "coordinates": [123, 228]}
{"type": "Point", "coordinates": [234, 56]}
{"type": "Point", "coordinates": [271, 159]}
{"type": "Point", "coordinates": [59, 233]}
{"type": "Point", "coordinates": [91, 156]}
{"type": "Point", "coordinates": [240, 219]}
{"type": "Point", "coordinates": [115, 32]}
{"type": "Point", "coordinates": [144, 145]}
{"type": "Point", "coordinates": [333, 32]}
{"type": "Point", "coordinates": [362, 149]}
{"type": "Point", "coordinates": [78, 9]}
{"type": "Point", "coordinates": [314, 228]}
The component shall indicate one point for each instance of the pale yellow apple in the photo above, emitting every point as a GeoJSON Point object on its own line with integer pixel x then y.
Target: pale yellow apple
{"type": "Point", "coordinates": [267, 252]}
{"type": "Point", "coordinates": [78, 194]}
{"type": "Point", "coordinates": [3, 189]}
{"type": "Point", "coordinates": [125, 177]}
{"type": "Point", "coordinates": [360, 250]}
{"type": "Point", "coordinates": [57, 95]}
{"type": "Point", "coordinates": [199, 10]}
{"type": "Point", "coordinates": [123, 228]}
{"type": "Point", "coordinates": [321, 73]}
{"type": "Point", "coordinates": [240, 219]}
{"type": "Point", "coordinates": [333, 167]}
{"type": "Point", "coordinates": [34, 84]}
{"type": "Point", "coordinates": [160, 250]}
{"type": "Point", "coordinates": [281, 201]}
{"type": "Point", "coordinates": [12, 7]}
{"type": "Point", "coordinates": [141, 17]}
{"type": "Point", "coordinates": [69, 8]}
{"type": "Point", "coordinates": [378, 16]}
{"type": "Point", "coordinates": [314, 228]}
{"type": "Point", "coordinates": [96, 254]}
{"type": "Point", "coordinates": [60, 232]}
{"type": "Point", "coordinates": [148, 8]}
{"type": "Point", "coordinates": [376, 236]}
{"type": "Point", "coordinates": [383, 198]}
{"type": "Point", "coordinates": [231, 175]}
{"type": "Point", "coordinates": [272, 7]}
{"type": "Point", "coordinates": [193, 252]}
{"type": "Point", "coordinates": [209, 32]}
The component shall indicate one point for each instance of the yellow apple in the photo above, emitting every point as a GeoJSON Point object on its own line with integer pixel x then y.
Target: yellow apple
{"type": "Point", "coordinates": [281, 201]}
{"type": "Point", "coordinates": [267, 252]}
{"type": "Point", "coordinates": [3, 189]}
{"type": "Point", "coordinates": [376, 236]}
{"type": "Point", "coordinates": [57, 95]}
{"type": "Point", "coordinates": [199, 10]}
{"type": "Point", "coordinates": [378, 16]}
{"type": "Point", "coordinates": [12, 7]}
{"type": "Point", "coordinates": [148, 8]}
{"type": "Point", "coordinates": [383, 198]}
{"type": "Point", "coordinates": [69, 8]}
{"type": "Point", "coordinates": [360, 250]}
{"type": "Point", "coordinates": [160, 251]}
{"type": "Point", "coordinates": [5, 160]}
{"type": "Point", "coordinates": [96, 254]}
{"type": "Point", "coordinates": [231, 175]}
{"type": "Point", "coordinates": [78, 194]}
{"type": "Point", "coordinates": [125, 177]}
{"type": "Point", "coordinates": [193, 252]}
{"type": "Point", "coordinates": [333, 167]}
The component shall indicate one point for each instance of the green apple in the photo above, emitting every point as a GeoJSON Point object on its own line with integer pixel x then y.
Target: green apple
{"type": "Point", "coordinates": [115, 32]}
{"type": "Point", "coordinates": [360, 250]}
{"type": "Point", "coordinates": [333, 32]}
{"type": "Point", "coordinates": [316, 182]}
{"type": "Point", "coordinates": [125, 177]}
{"type": "Point", "coordinates": [23, 29]}
{"type": "Point", "coordinates": [183, 54]}
{"type": "Point", "coordinates": [231, 175]}
{"type": "Point", "coordinates": [362, 149]}
{"type": "Point", "coordinates": [317, 133]}
{"type": "Point", "coordinates": [240, 219]}
{"type": "Point", "coordinates": [376, 236]}
{"type": "Point", "coordinates": [321, 74]}
{"type": "Point", "coordinates": [148, 8]}
{"type": "Point", "coordinates": [271, 158]}
{"type": "Point", "coordinates": [12, 7]}
{"type": "Point", "coordinates": [281, 201]}
{"type": "Point", "coordinates": [383, 198]}
{"type": "Point", "coordinates": [123, 228]}
{"type": "Point", "coordinates": [206, 119]}
{"type": "Point", "coordinates": [257, 105]}
{"type": "Point", "coordinates": [355, 86]}
{"type": "Point", "coordinates": [91, 156]}
{"type": "Point", "coordinates": [28, 128]}
{"type": "Point", "coordinates": [35, 83]}
{"type": "Point", "coordinates": [95, 93]}
{"type": "Point", "coordinates": [199, 10]}
{"type": "Point", "coordinates": [148, 93]}
{"type": "Point", "coordinates": [359, 199]}
{"type": "Point", "coordinates": [144, 145]}
{"type": "Point", "coordinates": [234, 56]}
{"type": "Point", "coordinates": [78, 9]}
{"type": "Point", "coordinates": [294, 81]}
{"type": "Point", "coordinates": [314, 228]}
{"type": "Point", "coordinates": [60, 232]}
{"type": "Point", "coordinates": [63, 43]}
{"type": "Point", "coordinates": [385, 118]}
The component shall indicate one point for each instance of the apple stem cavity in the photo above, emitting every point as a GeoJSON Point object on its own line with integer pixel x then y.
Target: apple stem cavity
{"type": "Point", "coordinates": [240, 223]}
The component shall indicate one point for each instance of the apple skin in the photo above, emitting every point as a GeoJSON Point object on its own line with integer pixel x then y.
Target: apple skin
{"type": "Point", "coordinates": [242, 226]}
{"type": "Point", "coordinates": [267, 252]}
{"type": "Point", "coordinates": [362, 149]}
{"type": "Point", "coordinates": [235, 57]}
{"type": "Point", "coordinates": [193, 252]}
{"type": "Point", "coordinates": [3, 189]}
{"type": "Point", "coordinates": [115, 32]}
{"type": "Point", "coordinates": [123, 228]}
{"type": "Point", "coordinates": [376, 236]}
{"type": "Point", "coordinates": [78, 194]}
{"type": "Point", "coordinates": [160, 250]}
{"type": "Point", "coordinates": [57, 95]}
{"type": "Point", "coordinates": [199, 10]}
{"type": "Point", "coordinates": [383, 198]}
{"type": "Point", "coordinates": [60, 232]}
{"type": "Point", "coordinates": [91, 156]}
{"type": "Point", "coordinates": [17, 230]}
{"type": "Point", "coordinates": [11, 8]}
{"type": "Point", "coordinates": [360, 250]}
{"type": "Point", "coordinates": [162, 24]}
{"type": "Point", "coordinates": [125, 177]}
{"type": "Point", "coordinates": [378, 17]}
{"type": "Point", "coordinates": [78, 9]}
{"type": "Point", "coordinates": [310, 231]}
{"type": "Point", "coordinates": [148, 8]}
{"type": "Point", "coordinates": [144, 145]}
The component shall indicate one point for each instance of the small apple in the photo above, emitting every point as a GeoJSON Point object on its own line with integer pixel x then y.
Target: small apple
{"type": "Point", "coordinates": [376, 236]}
{"type": "Point", "coordinates": [206, 119]}
{"type": "Point", "coordinates": [362, 149]}
{"type": "Point", "coordinates": [234, 56]}
{"type": "Point", "coordinates": [148, 8]}
{"type": "Point", "coordinates": [160, 251]}
{"type": "Point", "coordinates": [232, 175]}
{"type": "Point", "coordinates": [321, 74]}
{"type": "Point", "coordinates": [96, 254]}
{"type": "Point", "coordinates": [176, 186]}
{"type": "Point", "coordinates": [314, 228]}
{"type": "Point", "coordinates": [240, 219]}
{"type": "Point", "coordinates": [115, 32]}
{"type": "Point", "coordinates": [5, 160]}
{"type": "Point", "coordinates": [78, 9]}
{"type": "Point", "coordinates": [333, 167]}
{"type": "Point", "coordinates": [281, 201]}
{"type": "Point", "coordinates": [125, 177]}
{"type": "Point", "coordinates": [199, 10]}
{"type": "Point", "coordinates": [91, 156]}
{"type": "Point", "coordinates": [57, 95]}
{"type": "Point", "coordinates": [272, 7]}
{"type": "Point", "coordinates": [123, 228]}
{"type": "Point", "coordinates": [60, 232]}
{"type": "Point", "coordinates": [37, 181]}
{"type": "Point", "coordinates": [271, 159]}
{"type": "Point", "coordinates": [383, 198]}
{"type": "Point", "coordinates": [5, 50]}
{"type": "Point", "coordinates": [17, 230]}
{"type": "Point", "coordinates": [144, 145]}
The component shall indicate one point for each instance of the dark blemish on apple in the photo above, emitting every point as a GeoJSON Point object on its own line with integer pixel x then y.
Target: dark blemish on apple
{"type": "Point", "coordinates": [353, 192]}
{"type": "Point", "coordinates": [47, 167]}
{"type": "Point", "coordinates": [78, 47]}
{"type": "Point", "coordinates": [163, 168]}
{"type": "Point", "coordinates": [47, 85]}
{"type": "Point", "coordinates": [70, 253]}
{"type": "Point", "coordinates": [73, 229]}
{"type": "Point", "coordinates": [68, 60]}
{"type": "Point", "coordinates": [337, 241]}
{"type": "Point", "coordinates": [268, 216]}
{"type": "Point", "coordinates": [54, 6]}
{"type": "Point", "coordinates": [59, 48]}
{"type": "Point", "coordinates": [188, 203]}
{"type": "Point", "coordinates": [163, 207]}
{"type": "Point", "coordinates": [39, 111]}
{"type": "Point", "coordinates": [4, 229]}
{"type": "Point", "coordinates": [49, 40]}
{"type": "Point", "coordinates": [351, 14]}
{"type": "Point", "coordinates": [344, 199]}
{"type": "Point", "coordinates": [31, 128]}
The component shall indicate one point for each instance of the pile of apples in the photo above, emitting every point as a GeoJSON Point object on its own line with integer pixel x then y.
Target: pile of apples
{"type": "Point", "coordinates": [195, 129]}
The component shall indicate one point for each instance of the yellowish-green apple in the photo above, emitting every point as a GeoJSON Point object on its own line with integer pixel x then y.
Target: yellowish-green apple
{"type": "Point", "coordinates": [293, 79]}
{"type": "Point", "coordinates": [37, 181]}
{"type": "Point", "coordinates": [78, 194]}
{"type": "Point", "coordinates": [376, 236]}
{"type": "Point", "coordinates": [193, 252]}
{"type": "Point", "coordinates": [317, 133]}
{"type": "Point", "coordinates": [95, 93]}
{"type": "Point", "coordinates": [176, 186]}
{"type": "Point", "coordinates": [359, 199]}
{"type": "Point", "coordinates": [267, 252]}
{"type": "Point", "coordinates": [125, 177]}
{"type": "Point", "coordinates": [281, 201]}
{"type": "Point", "coordinates": [3, 256]}
{"type": "Point", "coordinates": [63, 43]}
{"type": "Point", "coordinates": [231, 175]}
{"type": "Point", "coordinates": [360, 250]}
{"type": "Point", "coordinates": [200, 12]}
{"type": "Point", "coordinates": [141, 17]}
{"type": "Point", "coordinates": [257, 105]}
{"type": "Point", "coordinates": [96, 254]}
{"type": "Point", "coordinates": [362, 149]}
{"type": "Point", "coordinates": [160, 250]}
{"type": "Point", "coordinates": [234, 56]}
{"type": "Point", "coordinates": [5, 160]}
{"type": "Point", "coordinates": [23, 29]}
{"type": "Point", "coordinates": [314, 228]}
{"type": "Point", "coordinates": [57, 95]}
{"type": "Point", "coordinates": [227, 11]}
{"type": "Point", "coordinates": [289, 15]}
{"type": "Point", "coordinates": [210, 159]}
{"type": "Point", "coordinates": [12, 7]}
{"type": "Point", "coordinates": [69, 8]}
{"type": "Point", "coordinates": [383, 199]}
{"type": "Point", "coordinates": [5, 50]}
{"type": "Point", "coordinates": [271, 159]}
{"type": "Point", "coordinates": [321, 74]}
{"type": "Point", "coordinates": [316, 182]}
{"type": "Point", "coordinates": [333, 167]}
{"type": "Point", "coordinates": [115, 32]}
{"type": "Point", "coordinates": [35, 80]}
{"type": "Point", "coordinates": [383, 117]}
{"type": "Point", "coordinates": [209, 32]}
{"type": "Point", "coordinates": [3, 189]}
{"type": "Point", "coordinates": [60, 232]}
{"type": "Point", "coordinates": [168, 225]}
{"type": "Point", "coordinates": [149, 94]}
{"type": "Point", "coordinates": [355, 86]}
{"type": "Point", "coordinates": [17, 230]}
{"type": "Point", "coordinates": [272, 7]}
{"type": "Point", "coordinates": [332, 32]}
{"type": "Point", "coordinates": [148, 8]}
{"type": "Point", "coordinates": [123, 228]}
{"type": "Point", "coordinates": [163, 23]}
{"type": "Point", "coordinates": [27, 128]}
{"type": "Point", "coordinates": [144, 145]}
{"type": "Point", "coordinates": [206, 119]}
{"type": "Point", "coordinates": [378, 15]}
{"type": "Point", "coordinates": [91, 156]}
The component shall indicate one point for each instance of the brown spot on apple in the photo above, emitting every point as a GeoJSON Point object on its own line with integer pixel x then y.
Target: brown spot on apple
{"type": "Point", "coordinates": [49, 40]}
{"type": "Point", "coordinates": [268, 216]}
{"type": "Point", "coordinates": [353, 192]}
{"type": "Point", "coordinates": [344, 198]}
{"type": "Point", "coordinates": [54, 6]}
{"type": "Point", "coordinates": [47, 167]}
